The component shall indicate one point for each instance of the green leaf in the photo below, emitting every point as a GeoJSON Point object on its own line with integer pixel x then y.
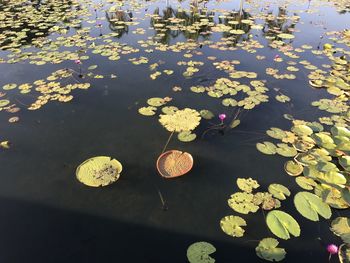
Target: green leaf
{"type": "Point", "coordinates": [186, 136]}
{"type": "Point", "coordinates": [282, 224]}
{"type": "Point", "coordinates": [242, 203]}
{"type": "Point", "coordinates": [148, 111]}
{"type": "Point", "coordinates": [310, 206]}
{"type": "Point", "coordinates": [293, 168]}
{"type": "Point", "coordinates": [266, 148]}
{"type": "Point", "coordinates": [235, 123]}
{"type": "Point", "coordinates": [156, 102]}
{"type": "Point", "coordinates": [279, 191]}
{"type": "Point", "coordinates": [341, 228]}
{"type": "Point", "coordinates": [199, 252]}
{"type": "Point", "coordinates": [247, 185]}
{"type": "Point", "coordinates": [305, 182]}
{"type": "Point", "coordinates": [232, 225]}
{"type": "Point", "coordinates": [302, 129]}
{"type": "Point", "coordinates": [344, 253]}
{"type": "Point", "coordinates": [268, 250]}
{"type": "Point", "coordinates": [276, 133]}
{"type": "Point", "coordinates": [285, 150]}
{"type": "Point", "coordinates": [206, 114]}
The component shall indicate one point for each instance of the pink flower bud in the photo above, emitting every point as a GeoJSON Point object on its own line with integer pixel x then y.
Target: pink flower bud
{"type": "Point", "coordinates": [78, 62]}
{"type": "Point", "coordinates": [222, 116]}
{"type": "Point", "coordinates": [332, 249]}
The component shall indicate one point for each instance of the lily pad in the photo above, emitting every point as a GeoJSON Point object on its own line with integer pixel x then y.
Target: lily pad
{"type": "Point", "coordinates": [148, 111]}
{"type": "Point", "coordinates": [311, 206]}
{"type": "Point", "coordinates": [99, 171]}
{"type": "Point", "coordinates": [305, 182]}
{"type": "Point", "coordinates": [182, 120]}
{"type": "Point", "coordinates": [186, 136]}
{"type": "Point", "coordinates": [200, 252]}
{"type": "Point", "coordinates": [242, 203]}
{"type": "Point", "coordinates": [156, 102]}
{"type": "Point", "coordinates": [247, 185]}
{"type": "Point", "coordinates": [232, 225]}
{"type": "Point", "coordinates": [266, 148]}
{"type": "Point", "coordinates": [285, 150]}
{"type": "Point", "coordinates": [293, 168]}
{"type": "Point", "coordinates": [279, 191]}
{"type": "Point", "coordinates": [341, 227]}
{"type": "Point", "coordinates": [282, 224]}
{"type": "Point", "coordinates": [268, 250]}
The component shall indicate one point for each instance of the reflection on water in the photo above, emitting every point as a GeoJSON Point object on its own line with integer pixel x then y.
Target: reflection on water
{"type": "Point", "coordinates": [194, 52]}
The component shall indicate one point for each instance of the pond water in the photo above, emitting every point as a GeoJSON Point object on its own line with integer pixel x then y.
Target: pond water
{"type": "Point", "coordinates": [49, 216]}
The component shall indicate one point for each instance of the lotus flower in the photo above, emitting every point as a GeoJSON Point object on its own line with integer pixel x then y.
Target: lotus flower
{"type": "Point", "coordinates": [222, 116]}
{"type": "Point", "coordinates": [332, 249]}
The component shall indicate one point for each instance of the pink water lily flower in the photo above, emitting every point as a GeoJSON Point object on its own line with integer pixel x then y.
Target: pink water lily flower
{"type": "Point", "coordinates": [222, 116]}
{"type": "Point", "coordinates": [332, 249]}
{"type": "Point", "coordinates": [77, 61]}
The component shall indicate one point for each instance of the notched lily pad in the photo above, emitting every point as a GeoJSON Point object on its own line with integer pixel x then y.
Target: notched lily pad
{"type": "Point", "coordinates": [268, 250]}
{"type": "Point", "coordinates": [200, 252]}
{"type": "Point", "coordinates": [232, 225]}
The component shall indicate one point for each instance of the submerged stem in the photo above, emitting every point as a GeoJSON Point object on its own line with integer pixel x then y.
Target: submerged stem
{"type": "Point", "coordinates": [166, 145]}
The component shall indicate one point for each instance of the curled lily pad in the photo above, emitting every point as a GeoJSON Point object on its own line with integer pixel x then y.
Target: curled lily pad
{"type": "Point", "coordinates": [341, 227]}
{"type": "Point", "coordinates": [282, 224]}
{"type": "Point", "coordinates": [266, 148]}
{"type": "Point", "coordinates": [235, 123]}
{"type": "Point", "coordinates": [186, 136]}
{"type": "Point", "coordinates": [279, 191]}
{"type": "Point", "coordinates": [200, 252]}
{"type": "Point", "coordinates": [232, 225]}
{"type": "Point", "coordinates": [99, 171]}
{"type": "Point", "coordinates": [311, 206]}
{"type": "Point", "coordinates": [305, 182]}
{"type": "Point", "coordinates": [148, 111]}
{"type": "Point", "coordinates": [333, 197]}
{"type": "Point", "coordinates": [293, 168]}
{"type": "Point", "coordinates": [268, 250]}
{"type": "Point", "coordinates": [344, 253]}
{"type": "Point", "coordinates": [344, 161]}
{"type": "Point", "coordinates": [4, 103]}
{"type": "Point", "coordinates": [242, 203]}
{"type": "Point", "coordinates": [266, 201]}
{"type": "Point", "coordinates": [247, 185]}
{"type": "Point", "coordinates": [182, 120]}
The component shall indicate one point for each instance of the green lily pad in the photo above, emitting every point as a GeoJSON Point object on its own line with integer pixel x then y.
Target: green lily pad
{"type": "Point", "coordinates": [200, 252]}
{"type": "Point", "coordinates": [302, 129]}
{"type": "Point", "coordinates": [232, 225]}
{"type": "Point", "coordinates": [344, 161]}
{"type": "Point", "coordinates": [186, 136]}
{"type": "Point", "coordinates": [282, 224]}
{"type": "Point", "coordinates": [285, 36]}
{"type": "Point", "coordinates": [311, 206]}
{"type": "Point", "coordinates": [247, 185]}
{"type": "Point", "coordinates": [344, 253]}
{"type": "Point", "coordinates": [235, 123]}
{"type": "Point", "coordinates": [305, 182]}
{"type": "Point", "coordinates": [4, 103]}
{"type": "Point", "coordinates": [341, 227]}
{"type": "Point", "coordinates": [148, 111]}
{"type": "Point", "coordinates": [156, 102]}
{"type": "Point", "coordinates": [276, 133]}
{"type": "Point", "coordinates": [293, 168]}
{"type": "Point", "coordinates": [206, 114]}
{"type": "Point", "coordinates": [242, 203]}
{"type": "Point", "coordinates": [229, 102]}
{"type": "Point", "coordinates": [9, 86]}
{"type": "Point", "coordinates": [285, 150]}
{"type": "Point", "coordinates": [266, 201]}
{"type": "Point", "coordinates": [279, 191]}
{"type": "Point", "coordinates": [266, 148]}
{"type": "Point", "coordinates": [282, 98]}
{"type": "Point", "coordinates": [169, 109]}
{"type": "Point", "coordinates": [99, 171]}
{"type": "Point", "coordinates": [333, 197]}
{"type": "Point", "coordinates": [268, 250]}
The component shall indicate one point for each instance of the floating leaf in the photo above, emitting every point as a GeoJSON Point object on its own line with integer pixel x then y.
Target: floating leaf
{"type": "Point", "coordinates": [310, 206]}
{"type": "Point", "coordinates": [247, 185]}
{"type": "Point", "coordinates": [305, 182]}
{"type": "Point", "coordinates": [266, 201]}
{"type": "Point", "coordinates": [232, 225]}
{"type": "Point", "coordinates": [99, 171]}
{"type": "Point", "coordinates": [235, 123]}
{"type": "Point", "coordinates": [279, 191]}
{"type": "Point", "coordinates": [182, 120]}
{"type": "Point", "coordinates": [285, 36]}
{"type": "Point", "coordinates": [186, 136]}
{"type": "Point", "coordinates": [344, 253]}
{"type": "Point", "coordinates": [282, 224]}
{"type": "Point", "coordinates": [4, 103]}
{"type": "Point", "coordinates": [285, 150]}
{"type": "Point", "coordinates": [200, 252]}
{"type": "Point", "coordinates": [156, 102]}
{"type": "Point", "coordinates": [341, 228]}
{"type": "Point", "coordinates": [266, 148]}
{"type": "Point", "coordinates": [207, 114]}
{"type": "Point", "coordinates": [148, 111]}
{"type": "Point", "coordinates": [276, 133]}
{"type": "Point", "coordinates": [242, 203]}
{"type": "Point", "coordinates": [169, 109]}
{"type": "Point", "coordinates": [293, 168]}
{"type": "Point", "coordinates": [268, 250]}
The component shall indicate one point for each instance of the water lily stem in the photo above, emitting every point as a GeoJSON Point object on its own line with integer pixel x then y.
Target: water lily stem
{"type": "Point", "coordinates": [166, 145]}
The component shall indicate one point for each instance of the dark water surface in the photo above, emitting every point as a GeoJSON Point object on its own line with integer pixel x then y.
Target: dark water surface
{"type": "Point", "coordinates": [48, 216]}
